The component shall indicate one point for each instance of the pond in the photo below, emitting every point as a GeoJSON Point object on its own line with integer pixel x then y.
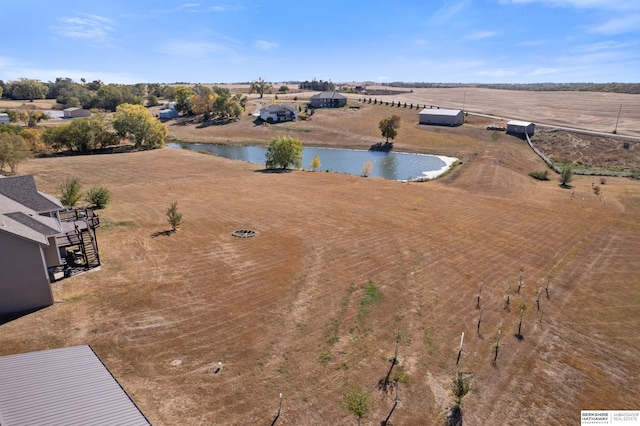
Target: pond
{"type": "Point", "coordinates": [387, 165]}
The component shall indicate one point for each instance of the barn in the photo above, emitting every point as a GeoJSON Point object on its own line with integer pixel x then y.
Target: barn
{"type": "Point", "coordinates": [515, 127]}
{"type": "Point", "coordinates": [75, 112]}
{"type": "Point", "coordinates": [442, 117]}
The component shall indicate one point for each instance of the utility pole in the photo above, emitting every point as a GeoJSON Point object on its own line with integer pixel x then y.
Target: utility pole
{"type": "Point", "coordinates": [615, 131]}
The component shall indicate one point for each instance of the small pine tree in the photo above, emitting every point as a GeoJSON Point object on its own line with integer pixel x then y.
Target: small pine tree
{"type": "Point", "coordinates": [358, 402]}
{"type": "Point", "coordinates": [174, 217]}
{"type": "Point", "coordinates": [70, 191]}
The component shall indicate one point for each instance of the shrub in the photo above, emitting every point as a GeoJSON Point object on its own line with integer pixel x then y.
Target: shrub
{"type": "Point", "coordinates": [98, 197]}
{"type": "Point", "coordinates": [543, 175]}
{"type": "Point", "coordinates": [565, 176]}
{"type": "Point", "coordinates": [70, 191]}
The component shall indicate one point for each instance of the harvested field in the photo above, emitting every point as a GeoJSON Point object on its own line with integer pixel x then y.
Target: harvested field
{"type": "Point", "coordinates": [284, 310]}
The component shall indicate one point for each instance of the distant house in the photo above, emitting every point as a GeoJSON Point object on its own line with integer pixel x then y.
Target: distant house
{"type": "Point", "coordinates": [328, 100]}
{"type": "Point", "coordinates": [515, 127]}
{"type": "Point", "coordinates": [41, 241]}
{"type": "Point", "coordinates": [167, 114]}
{"type": "Point", "coordinates": [62, 387]}
{"type": "Point", "coordinates": [278, 113]}
{"type": "Point", "coordinates": [76, 112]}
{"type": "Point", "coordinates": [4, 118]}
{"type": "Point", "coordinates": [442, 117]}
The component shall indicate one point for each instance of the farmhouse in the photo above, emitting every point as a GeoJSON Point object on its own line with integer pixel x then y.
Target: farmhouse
{"type": "Point", "coordinates": [41, 242]}
{"type": "Point", "coordinates": [63, 386]}
{"type": "Point", "coordinates": [76, 112]}
{"type": "Point", "coordinates": [515, 127]}
{"type": "Point", "coordinates": [328, 100]}
{"type": "Point", "coordinates": [4, 118]}
{"type": "Point", "coordinates": [278, 113]}
{"type": "Point", "coordinates": [442, 117]}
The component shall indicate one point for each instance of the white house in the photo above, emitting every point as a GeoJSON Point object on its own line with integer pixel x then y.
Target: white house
{"type": "Point", "coordinates": [516, 127]}
{"type": "Point", "coordinates": [441, 117]}
{"type": "Point", "coordinates": [4, 118]}
{"type": "Point", "coordinates": [278, 113]}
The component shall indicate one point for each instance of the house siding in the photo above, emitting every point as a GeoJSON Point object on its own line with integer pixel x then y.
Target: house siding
{"type": "Point", "coordinates": [24, 282]}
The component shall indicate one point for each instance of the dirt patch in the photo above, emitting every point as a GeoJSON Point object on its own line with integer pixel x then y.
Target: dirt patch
{"type": "Point", "coordinates": [593, 152]}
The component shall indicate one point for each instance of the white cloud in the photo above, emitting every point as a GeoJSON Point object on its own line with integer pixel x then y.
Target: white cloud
{"type": "Point", "coordinates": [479, 35]}
{"type": "Point", "coordinates": [584, 4]}
{"type": "Point", "coordinates": [265, 45]}
{"type": "Point", "coordinates": [497, 73]}
{"type": "Point", "coordinates": [624, 24]}
{"type": "Point", "coordinates": [86, 27]}
{"type": "Point", "coordinates": [448, 11]}
{"type": "Point", "coordinates": [544, 71]}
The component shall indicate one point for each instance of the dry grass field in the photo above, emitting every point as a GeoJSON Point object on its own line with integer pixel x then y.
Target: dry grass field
{"type": "Point", "coordinates": [284, 310]}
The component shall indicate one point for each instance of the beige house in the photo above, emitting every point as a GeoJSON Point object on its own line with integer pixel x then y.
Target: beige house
{"type": "Point", "coordinates": [41, 242]}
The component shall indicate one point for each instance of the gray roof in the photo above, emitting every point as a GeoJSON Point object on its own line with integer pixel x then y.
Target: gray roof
{"type": "Point", "coordinates": [62, 387]}
{"type": "Point", "coordinates": [276, 108]}
{"type": "Point", "coordinates": [22, 189]}
{"type": "Point", "coordinates": [441, 111]}
{"type": "Point", "coordinates": [71, 109]}
{"type": "Point", "coordinates": [328, 95]}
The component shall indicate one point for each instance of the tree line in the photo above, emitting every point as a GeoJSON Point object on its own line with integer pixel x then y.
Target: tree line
{"type": "Point", "coordinates": [88, 95]}
{"type": "Point", "coordinates": [630, 88]}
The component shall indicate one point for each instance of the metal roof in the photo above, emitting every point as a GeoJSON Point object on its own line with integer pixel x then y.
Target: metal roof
{"type": "Point", "coordinates": [519, 123]}
{"type": "Point", "coordinates": [62, 387]}
{"type": "Point", "coordinates": [441, 111]}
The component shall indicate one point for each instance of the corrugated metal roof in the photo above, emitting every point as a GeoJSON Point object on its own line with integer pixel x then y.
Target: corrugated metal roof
{"type": "Point", "coordinates": [441, 111]}
{"type": "Point", "coordinates": [66, 386]}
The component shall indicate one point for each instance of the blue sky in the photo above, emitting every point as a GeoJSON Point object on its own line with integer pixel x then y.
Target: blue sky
{"type": "Point", "coordinates": [459, 41]}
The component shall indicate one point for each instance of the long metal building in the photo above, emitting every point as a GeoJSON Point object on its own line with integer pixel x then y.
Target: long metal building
{"type": "Point", "coordinates": [442, 117]}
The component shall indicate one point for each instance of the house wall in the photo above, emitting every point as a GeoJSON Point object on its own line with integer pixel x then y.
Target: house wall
{"type": "Point", "coordinates": [24, 282]}
{"type": "Point", "coordinates": [521, 130]}
{"type": "Point", "coordinates": [51, 253]}
{"type": "Point", "coordinates": [4, 119]}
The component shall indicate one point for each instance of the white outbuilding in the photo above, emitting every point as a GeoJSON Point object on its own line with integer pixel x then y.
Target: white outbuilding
{"type": "Point", "coordinates": [515, 127]}
{"type": "Point", "coordinates": [442, 117]}
{"type": "Point", "coordinates": [168, 114]}
{"type": "Point", "coordinates": [4, 118]}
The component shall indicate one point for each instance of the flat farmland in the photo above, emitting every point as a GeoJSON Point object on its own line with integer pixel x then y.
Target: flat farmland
{"type": "Point", "coordinates": [283, 311]}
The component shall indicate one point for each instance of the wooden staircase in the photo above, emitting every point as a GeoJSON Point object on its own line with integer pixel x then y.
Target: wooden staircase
{"type": "Point", "coordinates": [89, 249]}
